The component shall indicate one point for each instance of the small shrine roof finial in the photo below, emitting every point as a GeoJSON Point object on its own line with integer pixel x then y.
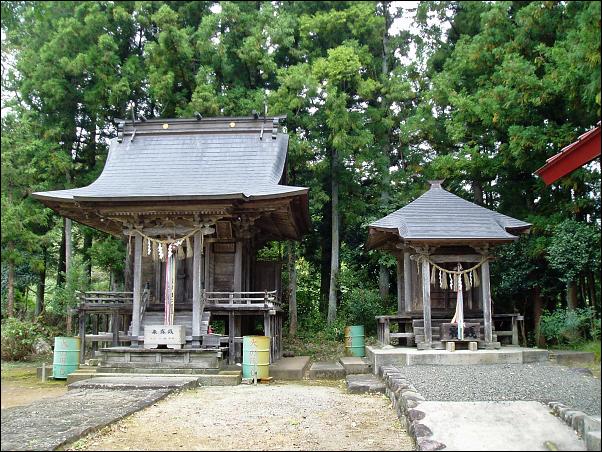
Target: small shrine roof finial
{"type": "Point", "coordinates": [436, 183]}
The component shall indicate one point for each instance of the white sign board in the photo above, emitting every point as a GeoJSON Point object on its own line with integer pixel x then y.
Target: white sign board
{"type": "Point", "coordinates": [174, 336]}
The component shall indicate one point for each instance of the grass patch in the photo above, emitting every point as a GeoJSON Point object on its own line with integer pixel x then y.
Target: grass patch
{"type": "Point", "coordinates": [25, 373]}
{"type": "Point", "coordinates": [589, 346]}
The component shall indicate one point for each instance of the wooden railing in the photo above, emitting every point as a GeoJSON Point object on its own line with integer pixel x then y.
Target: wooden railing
{"type": "Point", "coordinates": [265, 298]}
{"type": "Point", "coordinates": [105, 297]}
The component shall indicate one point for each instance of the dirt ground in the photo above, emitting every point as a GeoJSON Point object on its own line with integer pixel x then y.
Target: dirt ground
{"type": "Point", "coordinates": [247, 417]}
{"type": "Point", "coordinates": [20, 386]}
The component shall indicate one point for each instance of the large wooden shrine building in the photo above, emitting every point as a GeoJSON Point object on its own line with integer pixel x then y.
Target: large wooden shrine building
{"type": "Point", "coordinates": [196, 199]}
{"type": "Point", "coordinates": [443, 246]}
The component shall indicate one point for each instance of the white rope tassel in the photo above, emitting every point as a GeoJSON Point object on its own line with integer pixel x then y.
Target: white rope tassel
{"type": "Point", "coordinates": [459, 314]}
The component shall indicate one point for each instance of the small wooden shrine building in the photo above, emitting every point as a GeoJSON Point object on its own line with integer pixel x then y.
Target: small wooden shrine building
{"type": "Point", "coordinates": [442, 243]}
{"type": "Point", "coordinates": [196, 199]}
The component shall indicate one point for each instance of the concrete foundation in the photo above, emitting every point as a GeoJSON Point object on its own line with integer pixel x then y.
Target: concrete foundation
{"type": "Point", "coordinates": [409, 356]}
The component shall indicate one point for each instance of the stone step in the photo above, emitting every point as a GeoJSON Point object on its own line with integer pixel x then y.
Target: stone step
{"type": "Point", "coordinates": [126, 381]}
{"type": "Point", "coordinates": [355, 365]}
{"type": "Point", "coordinates": [568, 357]}
{"type": "Point", "coordinates": [79, 375]}
{"type": "Point", "coordinates": [361, 383]}
{"type": "Point", "coordinates": [293, 368]}
{"type": "Point", "coordinates": [326, 370]}
{"type": "Point", "coordinates": [155, 371]}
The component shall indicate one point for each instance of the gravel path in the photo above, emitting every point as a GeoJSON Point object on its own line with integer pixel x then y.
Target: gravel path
{"type": "Point", "coordinates": [541, 381]}
{"type": "Point", "coordinates": [275, 417]}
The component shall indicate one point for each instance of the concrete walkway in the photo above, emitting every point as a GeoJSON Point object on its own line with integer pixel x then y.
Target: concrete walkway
{"type": "Point", "coordinates": [497, 426]}
{"type": "Point", "coordinates": [50, 423]}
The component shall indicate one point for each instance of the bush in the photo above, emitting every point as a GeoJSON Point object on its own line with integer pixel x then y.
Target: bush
{"type": "Point", "coordinates": [360, 307]}
{"type": "Point", "coordinates": [18, 337]}
{"type": "Point", "coordinates": [566, 326]}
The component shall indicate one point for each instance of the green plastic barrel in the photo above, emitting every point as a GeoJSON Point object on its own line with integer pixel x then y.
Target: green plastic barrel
{"type": "Point", "coordinates": [256, 356]}
{"type": "Point", "coordinates": [66, 356]}
{"type": "Point", "coordinates": [354, 340]}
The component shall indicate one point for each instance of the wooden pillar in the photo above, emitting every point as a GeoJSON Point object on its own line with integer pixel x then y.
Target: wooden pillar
{"type": "Point", "coordinates": [426, 303]}
{"type": "Point", "coordinates": [231, 351]}
{"type": "Point", "coordinates": [137, 289]}
{"type": "Point", "coordinates": [157, 266]}
{"type": "Point", "coordinates": [486, 302]}
{"type": "Point", "coordinates": [400, 284]}
{"type": "Point", "coordinates": [267, 330]}
{"type": "Point", "coordinates": [115, 327]}
{"type": "Point", "coordinates": [407, 281]}
{"type": "Point", "coordinates": [82, 335]}
{"type": "Point", "coordinates": [238, 267]}
{"type": "Point", "coordinates": [95, 332]}
{"type": "Point", "coordinates": [196, 290]}
{"type": "Point", "coordinates": [515, 330]}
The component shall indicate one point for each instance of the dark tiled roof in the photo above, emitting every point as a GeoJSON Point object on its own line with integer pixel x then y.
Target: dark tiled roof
{"type": "Point", "coordinates": [215, 158]}
{"type": "Point", "coordinates": [441, 215]}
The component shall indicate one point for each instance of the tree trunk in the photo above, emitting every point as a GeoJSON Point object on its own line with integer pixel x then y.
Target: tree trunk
{"type": "Point", "coordinates": [88, 240]}
{"type": "Point", "coordinates": [10, 298]}
{"type": "Point", "coordinates": [41, 285]}
{"type": "Point", "coordinates": [537, 311]}
{"type": "Point", "coordinates": [383, 281]}
{"type": "Point", "coordinates": [68, 244]}
{"type": "Point", "coordinates": [583, 289]}
{"type": "Point", "coordinates": [128, 269]}
{"type": "Point", "coordinates": [571, 295]}
{"type": "Point", "coordinates": [334, 256]}
{"type": "Point", "coordinates": [292, 289]}
{"type": "Point", "coordinates": [592, 289]}
{"type": "Point", "coordinates": [383, 271]}
{"type": "Point", "coordinates": [325, 257]}
{"type": "Point", "coordinates": [477, 190]}
{"type": "Point", "coordinates": [60, 271]}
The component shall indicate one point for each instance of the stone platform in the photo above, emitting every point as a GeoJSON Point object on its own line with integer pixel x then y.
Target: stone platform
{"type": "Point", "coordinates": [140, 358]}
{"type": "Point", "coordinates": [409, 356]}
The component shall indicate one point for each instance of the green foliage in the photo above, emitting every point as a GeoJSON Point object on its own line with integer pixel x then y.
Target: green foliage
{"type": "Point", "coordinates": [574, 249]}
{"type": "Point", "coordinates": [18, 338]}
{"type": "Point", "coordinates": [361, 306]}
{"type": "Point", "coordinates": [566, 326]}
{"type": "Point", "coordinates": [65, 296]}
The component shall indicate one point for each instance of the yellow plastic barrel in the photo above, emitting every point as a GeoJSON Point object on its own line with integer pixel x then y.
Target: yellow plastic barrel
{"type": "Point", "coordinates": [256, 356]}
{"type": "Point", "coordinates": [354, 340]}
{"type": "Point", "coordinates": [66, 356]}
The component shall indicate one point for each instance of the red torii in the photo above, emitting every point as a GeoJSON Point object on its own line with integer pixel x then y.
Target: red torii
{"type": "Point", "coordinates": [571, 157]}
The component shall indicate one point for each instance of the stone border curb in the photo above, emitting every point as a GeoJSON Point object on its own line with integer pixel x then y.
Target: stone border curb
{"type": "Point", "coordinates": [406, 402]}
{"type": "Point", "coordinates": [587, 427]}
